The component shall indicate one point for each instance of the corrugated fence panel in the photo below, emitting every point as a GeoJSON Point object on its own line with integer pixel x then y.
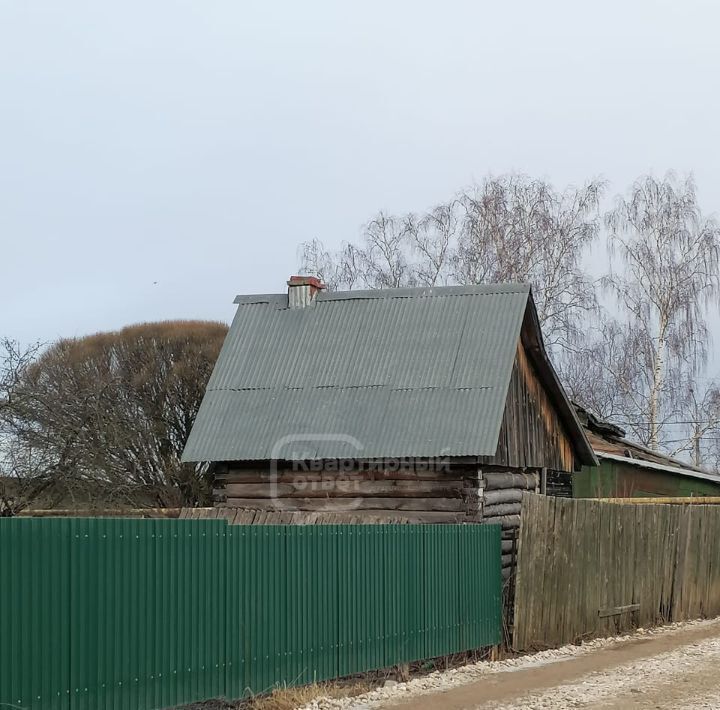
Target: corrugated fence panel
{"type": "Point", "coordinates": [147, 612]}
{"type": "Point", "coordinates": [35, 626]}
{"type": "Point", "coordinates": [403, 589]}
{"type": "Point", "coordinates": [479, 587]}
{"type": "Point", "coordinates": [124, 614]}
{"type": "Point", "coordinates": [359, 628]}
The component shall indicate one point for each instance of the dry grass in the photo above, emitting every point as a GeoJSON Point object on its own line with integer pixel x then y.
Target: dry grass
{"type": "Point", "coordinates": [291, 698]}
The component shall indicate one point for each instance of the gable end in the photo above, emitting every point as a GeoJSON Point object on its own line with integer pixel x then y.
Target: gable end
{"type": "Point", "coordinates": [532, 434]}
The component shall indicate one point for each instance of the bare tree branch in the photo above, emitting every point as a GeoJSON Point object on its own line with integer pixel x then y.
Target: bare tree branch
{"type": "Point", "coordinates": [669, 256]}
{"type": "Point", "coordinates": [509, 228]}
{"type": "Point", "coordinates": [108, 415]}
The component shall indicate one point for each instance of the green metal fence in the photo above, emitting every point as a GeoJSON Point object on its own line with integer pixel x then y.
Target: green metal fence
{"type": "Point", "coordinates": [139, 614]}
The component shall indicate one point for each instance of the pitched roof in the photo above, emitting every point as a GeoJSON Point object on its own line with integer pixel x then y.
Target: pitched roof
{"type": "Point", "coordinates": [364, 374]}
{"type": "Point", "coordinates": [609, 442]}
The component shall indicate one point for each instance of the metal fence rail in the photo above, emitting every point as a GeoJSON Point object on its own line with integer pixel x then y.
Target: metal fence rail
{"type": "Point", "coordinates": [137, 614]}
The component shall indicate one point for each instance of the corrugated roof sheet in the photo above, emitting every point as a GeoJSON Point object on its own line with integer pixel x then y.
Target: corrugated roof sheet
{"type": "Point", "coordinates": [666, 468]}
{"type": "Point", "coordinates": [619, 448]}
{"type": "Point", "coordinates": [365, 374]}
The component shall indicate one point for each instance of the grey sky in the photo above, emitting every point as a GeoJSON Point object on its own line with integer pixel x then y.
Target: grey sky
{"type": "Point", "coordinates": [195, 144]}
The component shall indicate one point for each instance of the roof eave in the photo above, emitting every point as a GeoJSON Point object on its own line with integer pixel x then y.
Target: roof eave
{"type": "Point", "coordinates": [642, 463]}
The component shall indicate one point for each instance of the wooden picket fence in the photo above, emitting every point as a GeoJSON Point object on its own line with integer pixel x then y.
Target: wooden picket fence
{"type": "Point", "coordinates": [588, 568]}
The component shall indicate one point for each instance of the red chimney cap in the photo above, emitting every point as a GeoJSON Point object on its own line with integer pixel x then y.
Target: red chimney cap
{"type": "Point", "coordinates": [305, 281]}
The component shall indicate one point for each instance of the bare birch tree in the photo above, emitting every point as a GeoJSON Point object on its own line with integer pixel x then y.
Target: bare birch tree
{"type": "Point", "coordinates": [665, 257]}
{"type": "Point", "coordinates": [593, 367]}
{"type": "Point", "coordinates": [433, 239]}
{"type": "Point", "coordinates": [315, 259]}
{"type": "Point", "coordinates": [380, 260]}
{"type": "Point", "coordinates": [519, 229]}
{"type": "Point", "coordinates": [704, 422]}
{"type": "Point", "coordinates": [508, 228]}
{"type": "Point", "coordinates": [383, 259]}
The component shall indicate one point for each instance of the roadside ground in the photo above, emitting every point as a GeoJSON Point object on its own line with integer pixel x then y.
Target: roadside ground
{"type": "Point", "coordinates": [670, 667]}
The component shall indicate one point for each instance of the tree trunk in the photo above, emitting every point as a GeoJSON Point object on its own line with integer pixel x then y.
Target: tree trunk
{"type": "Point", "coordinates": [657, 383]}
{"type": "Point", "coordinates": [696, 456]}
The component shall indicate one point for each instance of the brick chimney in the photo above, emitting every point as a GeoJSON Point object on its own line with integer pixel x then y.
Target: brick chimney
{"type": "Point", "coordinates": [302, 290]}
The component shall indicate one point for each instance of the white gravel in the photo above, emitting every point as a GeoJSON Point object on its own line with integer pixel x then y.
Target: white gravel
{"type": "Point", "coordinates": [594, 687]}
{"type": "Point", "coordinates": [639, 677]}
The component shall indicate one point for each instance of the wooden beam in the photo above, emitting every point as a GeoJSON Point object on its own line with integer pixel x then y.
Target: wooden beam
{"type": "Point", "coordinates": [502, 495]}
{"type": "Point", "coordinates": [347, 488]}
{"type": "Point", "coordinates": [617, 610]}
{"type": "Point", "coordinates": [507, 521]}
{"type": "Point", "coordinates": [491, 511]}
{"type": "Point", "coordinates": [258, 475]}
{"type": "Point", "coordinates": [454, 505]}
{"type": "Point", "coordinates": [509, 479]}
{"type": "Point", "coordinates": [678, 500]}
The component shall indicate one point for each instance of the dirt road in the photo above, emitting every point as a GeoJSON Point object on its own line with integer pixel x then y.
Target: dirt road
{"type": "Point", "coordinates": [677, 669]}
{"type": "Point", "coordinates": [673, 667]}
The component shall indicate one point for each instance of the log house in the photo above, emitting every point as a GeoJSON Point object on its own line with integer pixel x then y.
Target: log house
{"type": "Point", "coordinates": [428, 405]}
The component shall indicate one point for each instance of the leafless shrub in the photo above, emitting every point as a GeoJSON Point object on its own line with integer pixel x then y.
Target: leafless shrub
{"type": "Point", "coordinates": [23, 475]}
{"type": "Point", "coordinates": [111, 413]}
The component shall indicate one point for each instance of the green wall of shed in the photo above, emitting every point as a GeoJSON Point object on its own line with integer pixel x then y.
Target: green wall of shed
{"type": "Point", "coordinates": [615, 479]}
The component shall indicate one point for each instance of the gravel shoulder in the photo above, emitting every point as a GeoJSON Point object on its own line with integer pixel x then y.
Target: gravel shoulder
{"type": "Point", "coordinates": [669, 667]}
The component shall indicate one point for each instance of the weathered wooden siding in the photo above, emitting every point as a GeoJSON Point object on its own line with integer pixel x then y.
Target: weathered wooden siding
{"type": "Point", "coordinates": [588, 568]}
{"type": "Point", "coordinates": [531, 433]}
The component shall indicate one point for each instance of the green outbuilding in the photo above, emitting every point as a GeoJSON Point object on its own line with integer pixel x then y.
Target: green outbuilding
{"type": "Point", "coordinates": [629, 470]}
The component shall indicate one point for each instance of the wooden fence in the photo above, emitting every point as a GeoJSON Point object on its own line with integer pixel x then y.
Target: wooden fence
{"type": "Point", "coordinates": [588, 568]}
{"type": "Point", "coordinates": [100, 512]}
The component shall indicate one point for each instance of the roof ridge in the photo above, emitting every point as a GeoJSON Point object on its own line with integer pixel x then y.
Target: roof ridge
{"type": "Point", "coordinates": [492, 289]}
{"type": "Point", "coordinates": [489, 289]}
{"type": "Point", "coordinates": [253, 298]}
{"type": "Point", "coordinates": [286, 388]}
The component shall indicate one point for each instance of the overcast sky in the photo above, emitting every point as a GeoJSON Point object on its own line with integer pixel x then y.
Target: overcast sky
{"type": "Point", "coordinates": [156, 158]}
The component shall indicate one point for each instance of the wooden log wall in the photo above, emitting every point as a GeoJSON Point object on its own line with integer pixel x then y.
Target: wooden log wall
{"type": "Point", "coordinates": [588, 568]}
{"type": "Point", "coordinates": [458, 494]}
{"type": "Point", "coordinates": [417, 495]}
{"type": "Point", "coordinates": [501, 494]}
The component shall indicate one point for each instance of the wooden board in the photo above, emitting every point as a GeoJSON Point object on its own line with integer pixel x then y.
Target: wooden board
{"type": "Point", "coordinates": [587, 568]}
{"type": "Point", "coordinates": [346, 488]}
{"type": "Point", "coordinates": [342, 505]}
